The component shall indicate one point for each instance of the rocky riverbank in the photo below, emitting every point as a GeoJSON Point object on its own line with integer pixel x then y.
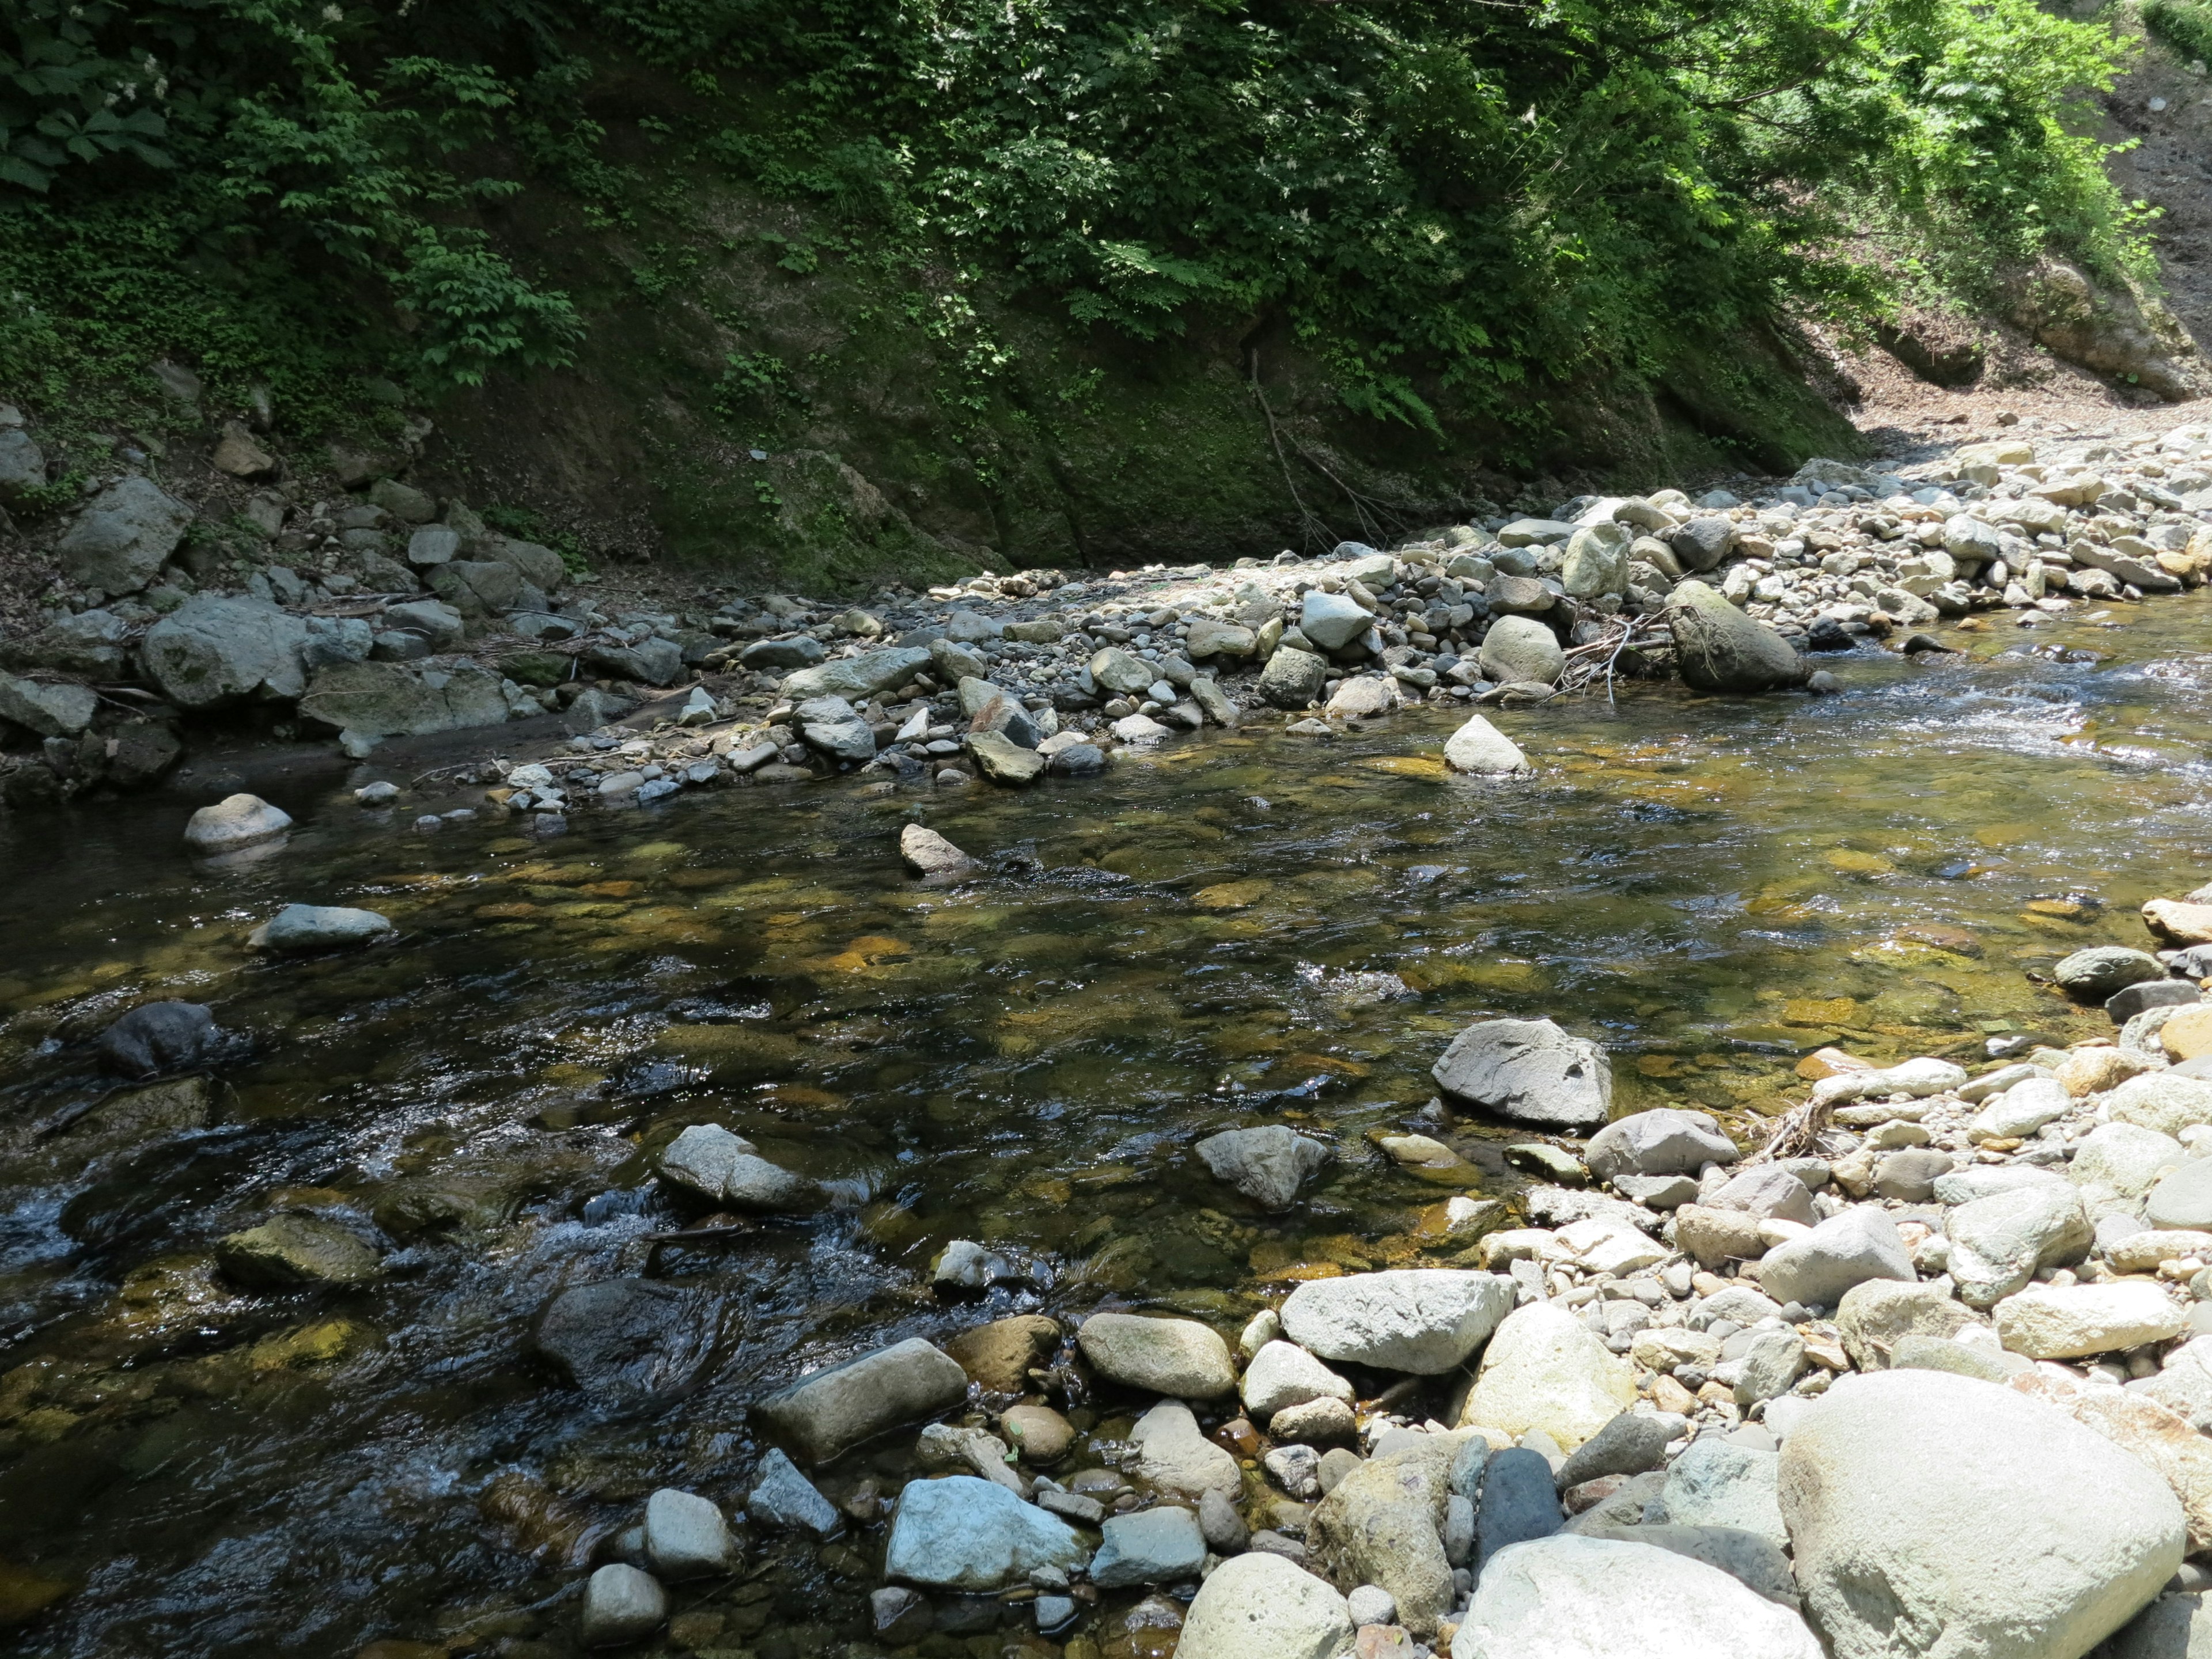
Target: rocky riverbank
{"type": "Point", "coordinates": [400, 613]}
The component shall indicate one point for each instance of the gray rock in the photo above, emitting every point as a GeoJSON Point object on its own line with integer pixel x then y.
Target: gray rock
{"type": "Point", "coordinates": [1718, 1483]}
{"type": "Point", "coordinates": [288, 1250]}
{"type": "Point", "coordinates": [1581, 1597]}
{"type": "Point", "coordinates": [234, 823]}
{"type": "Point", "coordinates": [826, 1414]}
{"type": "Point", "coordinates": [784, 1499]}
{"type": "Point", "coordinates": [1775, 1360]}
{"type": "Point", "coordinates": [1162, 1545]}
{"type": "Point", "coordinates": [1848, 1250]}
{"type": "Point", "coordinates": [158, 1036]}
{"type": "Point", "coordinates": [22, 465]}
{"type": "Point", "coordinates": [211, 650]}
{"type": "Point", "coordinates": [653, 661]}
{"type": "Point", "coordinates": [1872, 1316]}
{"type": "Point", "coordinates": [1662, 1141]}
{"type": "Point", "coordinates": [93, 643]}
{"type": "Point", "coordinates": [1480, 747]}
{"type": "Point", "coordinates": [1530, 1071]}
{"type": "Point", "coordinates": [1333, 621]}
{"type": "Point", "coordinates": [1322, 1419]}
{"type": "Point", "coordinates": [1176, 1357]}
{"type": "Point", "coordinates": [433, 545]}
{"type": "Point", "coordinates": [2102, 971]}
{"type": "Point", "coordinates": [1909, 1177]}
{"type": "Point", "coordinates": [1384, 1524]}
{"type": "Point", "coordinates": [46, 709]}
{"type": "Point", "coordinates": [2126, 1003]}
{"type": "Point", "coordinates": [1519, 1502]}
{"type": "Point", "coordinates": [831, 726]}
{"type": "Point", "coordinates": [1998, 1243]}
{"type": "Point", "coordinates": [1224, 1529]}
{"type": "Point", "coordinates": [334, 639]}
{"type": "Point", "coordinates": [1596, 561]}
{"type": "Point", "coordinates": [1522, 649]}
{"type": "Point", "coordinates": [1543, 1369]}
{"type": "Point", "coordinates": [2167, 1101]}
{"type": "Point", "coordinates": [440, 625]}
{"type": "Point", "coordinates": [1283, 1374]}
{"type": "Point", "coordinates": [622, 1605]}
{"type": "Point", "coordinates": [685, 1537]}
{"type": "Point", "coordinates": [1371, 1604]}
{"type": "Point", "coordinates": [1751, 1560]}
{"type": "Point", "coordinates": [1634, 1443]}
{"type": "Point", "coordinates": [1292, 678]}
{"type": "Point", "coordinates": [392, 699]}
{"type": "Point", "coordinates": [1425, 1322]}
{"type": "Point", "coordinates": [1703, 542]}
{"type": "Point", "coordinates": [1268, 1165]}
{"type": "Point", "coordinates": [630, 1339]}
{"type": "Point", "coordinates": [2183, 1199]}
{"type": "Point", "coordinates": [1961, 1517]}
{"type": "Point", "coordinates": [488, 587]}
{"type": "Point", "coordinates": [1176, 1457]}
{"type": "Point", "coordinates": [1656, 1191]}
{"type": "Point", "coordinates": [301, 927]}
{"type": "Point", "coordinates": [1718, 648]}
{"type": "Point", "coordinates": [1766, 1192]}
{"type": "Point", "coordinates": [1297, 1469]}
{"type": "Point", "coordinates": [2171, 1627]}
{"type": "Point", "coordinates": [121, 538]}
{"type": "Point", "coordinates": [965, 1534]}
{"type": "Point", "coordinates": [1913, 1352]}
{"type": "Point", "coordinates": [1260, 1606]}
{"type": "Point", "coordinates": [928, 854]}
{"type": "Point", "coordinates": [858, 678]}
{"type": "Point", "coordinates": [801, 651]}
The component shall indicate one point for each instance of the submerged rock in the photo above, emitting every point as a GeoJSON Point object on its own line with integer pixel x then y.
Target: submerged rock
{"type": "Point", "coordinates": [301, 927]}
{"type": "Point", "coordinates": [158, 1036]}
{"type": "Point", "coordinates": [626, 1339]}
{"type": "Point", "coordinates": [297, 1250]}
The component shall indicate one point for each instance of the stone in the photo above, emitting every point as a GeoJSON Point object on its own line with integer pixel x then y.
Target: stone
{"type": "Point", "coordinates": [2099, 973]}
{"type": "Point", "coordinates": [1292, 678]}
{"type": "Point", "coordinates": [622, 1605]}
{"type": "Point", "coordinates": [158, 1036]}
{"type": "Point", "coordinates": [1522, 649]}
{"type": "Point", "coordinates": [1268, 1165]}
{"type": "Point", "coordinates": [1848, 1250]}
{"type": "Point", "coordinates": [232, 822]}
{"type": "Point", "coordinates": [1596, 561]}
{"type": "Point", "coordinates": [1545, 1370]}
{"type": "Point", "coordinates": [2178, 921]}
{"type": "Point", "coordinates": [1530, 1071]}
{"type": "Point", "coordinates": [1873, 1315]}
{"type": "Point", "coordinates": [686, 1536]}
{"type": "Point", "coordinates": [1581, 1597]}
{"type": "Point", "coordinates": [2023, 1109]}
{"type": "Point", "coordinates": [2161, 1440]}
{"type": "Point", "coordinates": [1180, 1358]}
{"type": "Point", "coordinates": [303, 928]}
{"type": "Point", "coordinates": [2145, 1252]}
{"type": "Point", "coordinates": [440, 626]}
{"type": "Point", "coordinates": [925, 853]}
{"type": "Point", "coordinates": [1175, 1457]}
{"type": "Point", "coordinates": [1715, 1237]}
{"type": "Point", "coordinates": [1518, 1502]}
{"type": "Point", "coordinates": [47, 709]}
{"type": "Point", "coordinates": [122, 536]}
{"type": "Point", "coordinates": [297, 1250]}
{"type": "Point", "coordinates": [1913, 1352]}
{"type": "Point", "coordinates": [1362, 696]}
{"type": "Point", "coordinates": [1297, 1469]}
{"type": "Point", "coordinates": [93, 643]}
{"type": "Point", "coordinates": [1208, 638]}
{"type": "Point", "coordinates": [1998, 1243]}
{"type": "Point", "coordinates": [1718, 648]}
{"type": "Point", "coordinates": [960, 1533]}
{"type": "Point", "coordinates": [650, 661]}
{"type": "Point", "coordinates": [1039, 1433]}
{"type": "Point", "coordinates": [857, 679]}
{"type": "Point", "coordinates": [1767, 1192]}
{"type": "Point", "coordinates": [433, 545]}
{"type": "Point", "coordinates": [2145, 994]}
{"type": "Point", "coordinates": [1703, 542]}
{"type": "Point", "coordinates": [1283, 1374]}
{"type": "Point", "coordinates": [998, 1357]}
{"type": "Point", "coordinates": [23, 465]}
{"type": "Point", "coordinates": [1634, 1443]}
{"type": "Point", "coordinates": [1259, 1605]}
{"type": "Point", "coordinates": [2125, 1159]}
{"type": "Point", "coordinates": [1002, 760]}
{"type": "Point", "coordinates": [1719, 1483]}
{"type": "Point", "coordinates": [1162, 1546]}
{"type": "Point", "coordinates": [1382, 1524]}
{"type": "Point", "coordinates": [1480, 747]}
{"type": "Point", "coordinates": [800, 650]}
{"type": "Point", "coordinates": [2183, 1199]}
{"type": "Point", "coordinates": [2171, 1627]}
{"type": "Point", "coordinates": [394, 699]}
{"type": "Point", "coordinates": [1427, 1322]}
{"type": "Point", "coordinates": [826, 1414]}
{"type": "Point", "coordinates": [403, 502]}
{"type": "Point", "coordinates": [1224, 1529]}
{"type": "Point", "coordinates": [2066, 1322]}
{"type": "Point", "coordinates": [784, 1499]}
{"type": "Point", "coordinates": [631, 1339]}
{"type": "Point", "coordinates": [1333, 621]}
{"type": "Point", "coordinates": [1322, 1420]}
{"type": "Point", "coordinates": [1664, 1140]}
{"type": "Point", "coordinates": [1939, 1513]}
{"type": "Point", "coordinates": [212, 650]}
{"type": "Point", "coordinates": [1909, 1177]}
{"type": "Point", "coordinates": [2168, 1102]}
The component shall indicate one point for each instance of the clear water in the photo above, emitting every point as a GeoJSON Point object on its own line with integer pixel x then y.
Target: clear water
{"type": "Point", "coordinates": [1244, 929]}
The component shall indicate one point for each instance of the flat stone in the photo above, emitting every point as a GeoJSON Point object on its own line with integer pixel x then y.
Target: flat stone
{"type": "Point", "coordinates": [826, 1414]}
{"type": "Point", "coordinates": [1530, 1071]}
{"type": "Point", "coordinates": [2055, 1321]}
{"type": "Point", "coordinates": [857, 679]}
{"type": "Point", "coordinates": [303, 928]}
{"type": "Point", "coordinates": [960, 1533]}
{"type": "Point", "coordinates": [2100, 972]}
{"type": "Point", "coordinates": [998, 1357]}
{"type": "Point", "coordinates": [1961, 1517]}
{"type": "Point", "coordinates": [1162, 1545]}
{"type": "Point", "coordinates": [1545, 1370]}
{"type": "Point", "coordinates": [1176, 1357]}
{"type": "Point", "coordinates": [1998, 1243]}
{"type": "Point", "coordinates": [1768, 1192]}
{"type": "Point", "coordinates": [1002, 760]}
{"type": "Point", "coordinates": [1427, 1322]}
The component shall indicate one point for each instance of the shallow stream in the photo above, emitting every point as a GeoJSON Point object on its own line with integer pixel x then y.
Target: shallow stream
{"type": "Point", "coordinates": [1245, 928]}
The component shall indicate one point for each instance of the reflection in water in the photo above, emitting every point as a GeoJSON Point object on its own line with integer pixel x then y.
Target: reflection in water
{"type": "Point", "coordinates": [1246, 929]}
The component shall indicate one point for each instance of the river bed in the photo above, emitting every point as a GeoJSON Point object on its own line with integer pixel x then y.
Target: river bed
{"type": "Point", "coordinates": [1244, 928]}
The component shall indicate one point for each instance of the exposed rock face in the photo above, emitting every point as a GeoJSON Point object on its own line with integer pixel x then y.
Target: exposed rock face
{"type": "Point", "coordinates": [122, 536]}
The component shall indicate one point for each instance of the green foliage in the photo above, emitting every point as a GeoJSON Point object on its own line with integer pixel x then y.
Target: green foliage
{"type": "Point", "coordinates": [2184, 25]}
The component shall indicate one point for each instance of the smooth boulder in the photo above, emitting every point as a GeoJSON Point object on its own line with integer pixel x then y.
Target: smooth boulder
{"type": "Point", "coordinates": [965, 1534]}
{"type": "Point", "coordinates": [1818, 1268]}
{"type": "Point", "coordinates": [1942, 1515]}
{"type": "Point", "coordinates": [232, 822]}
{"type": "Point", "coordinates": [826, 1414]}
{"type": "Point", "coordinates": [1259, 1606]}
{"type": "Point", "coordinates": [1178, 1358]}
{"type": "Point", "coordinates": [1427, 1322]}
{"type": "Point", "coordinates": [1718, 648]}
{"type": "Point", "coordinates": [1529, 1070]}
{"type": "Point", "coordinates": [1521, 649]}
{"type": "Point", "coordinates": [1663, 1140]}
{"type": "Point", "coordinates": [1545, 1370]}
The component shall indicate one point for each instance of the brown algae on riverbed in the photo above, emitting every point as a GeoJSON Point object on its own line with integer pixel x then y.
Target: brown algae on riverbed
{"type": "Point", "coordinates": [1258, 929]}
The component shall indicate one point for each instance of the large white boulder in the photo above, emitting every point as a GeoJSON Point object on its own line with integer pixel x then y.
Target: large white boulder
{"type": "Point", "coordinates": [1546, 1369]}
{"type": "Point", "coordinates": [1574, 1598]}
{"type": "Point", "coordinates": [1423, 1321]}
{"type": "Point", "coordinates": [1259, 1605]}
{"type": "Point", "coordinates": [1940, 1515]}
